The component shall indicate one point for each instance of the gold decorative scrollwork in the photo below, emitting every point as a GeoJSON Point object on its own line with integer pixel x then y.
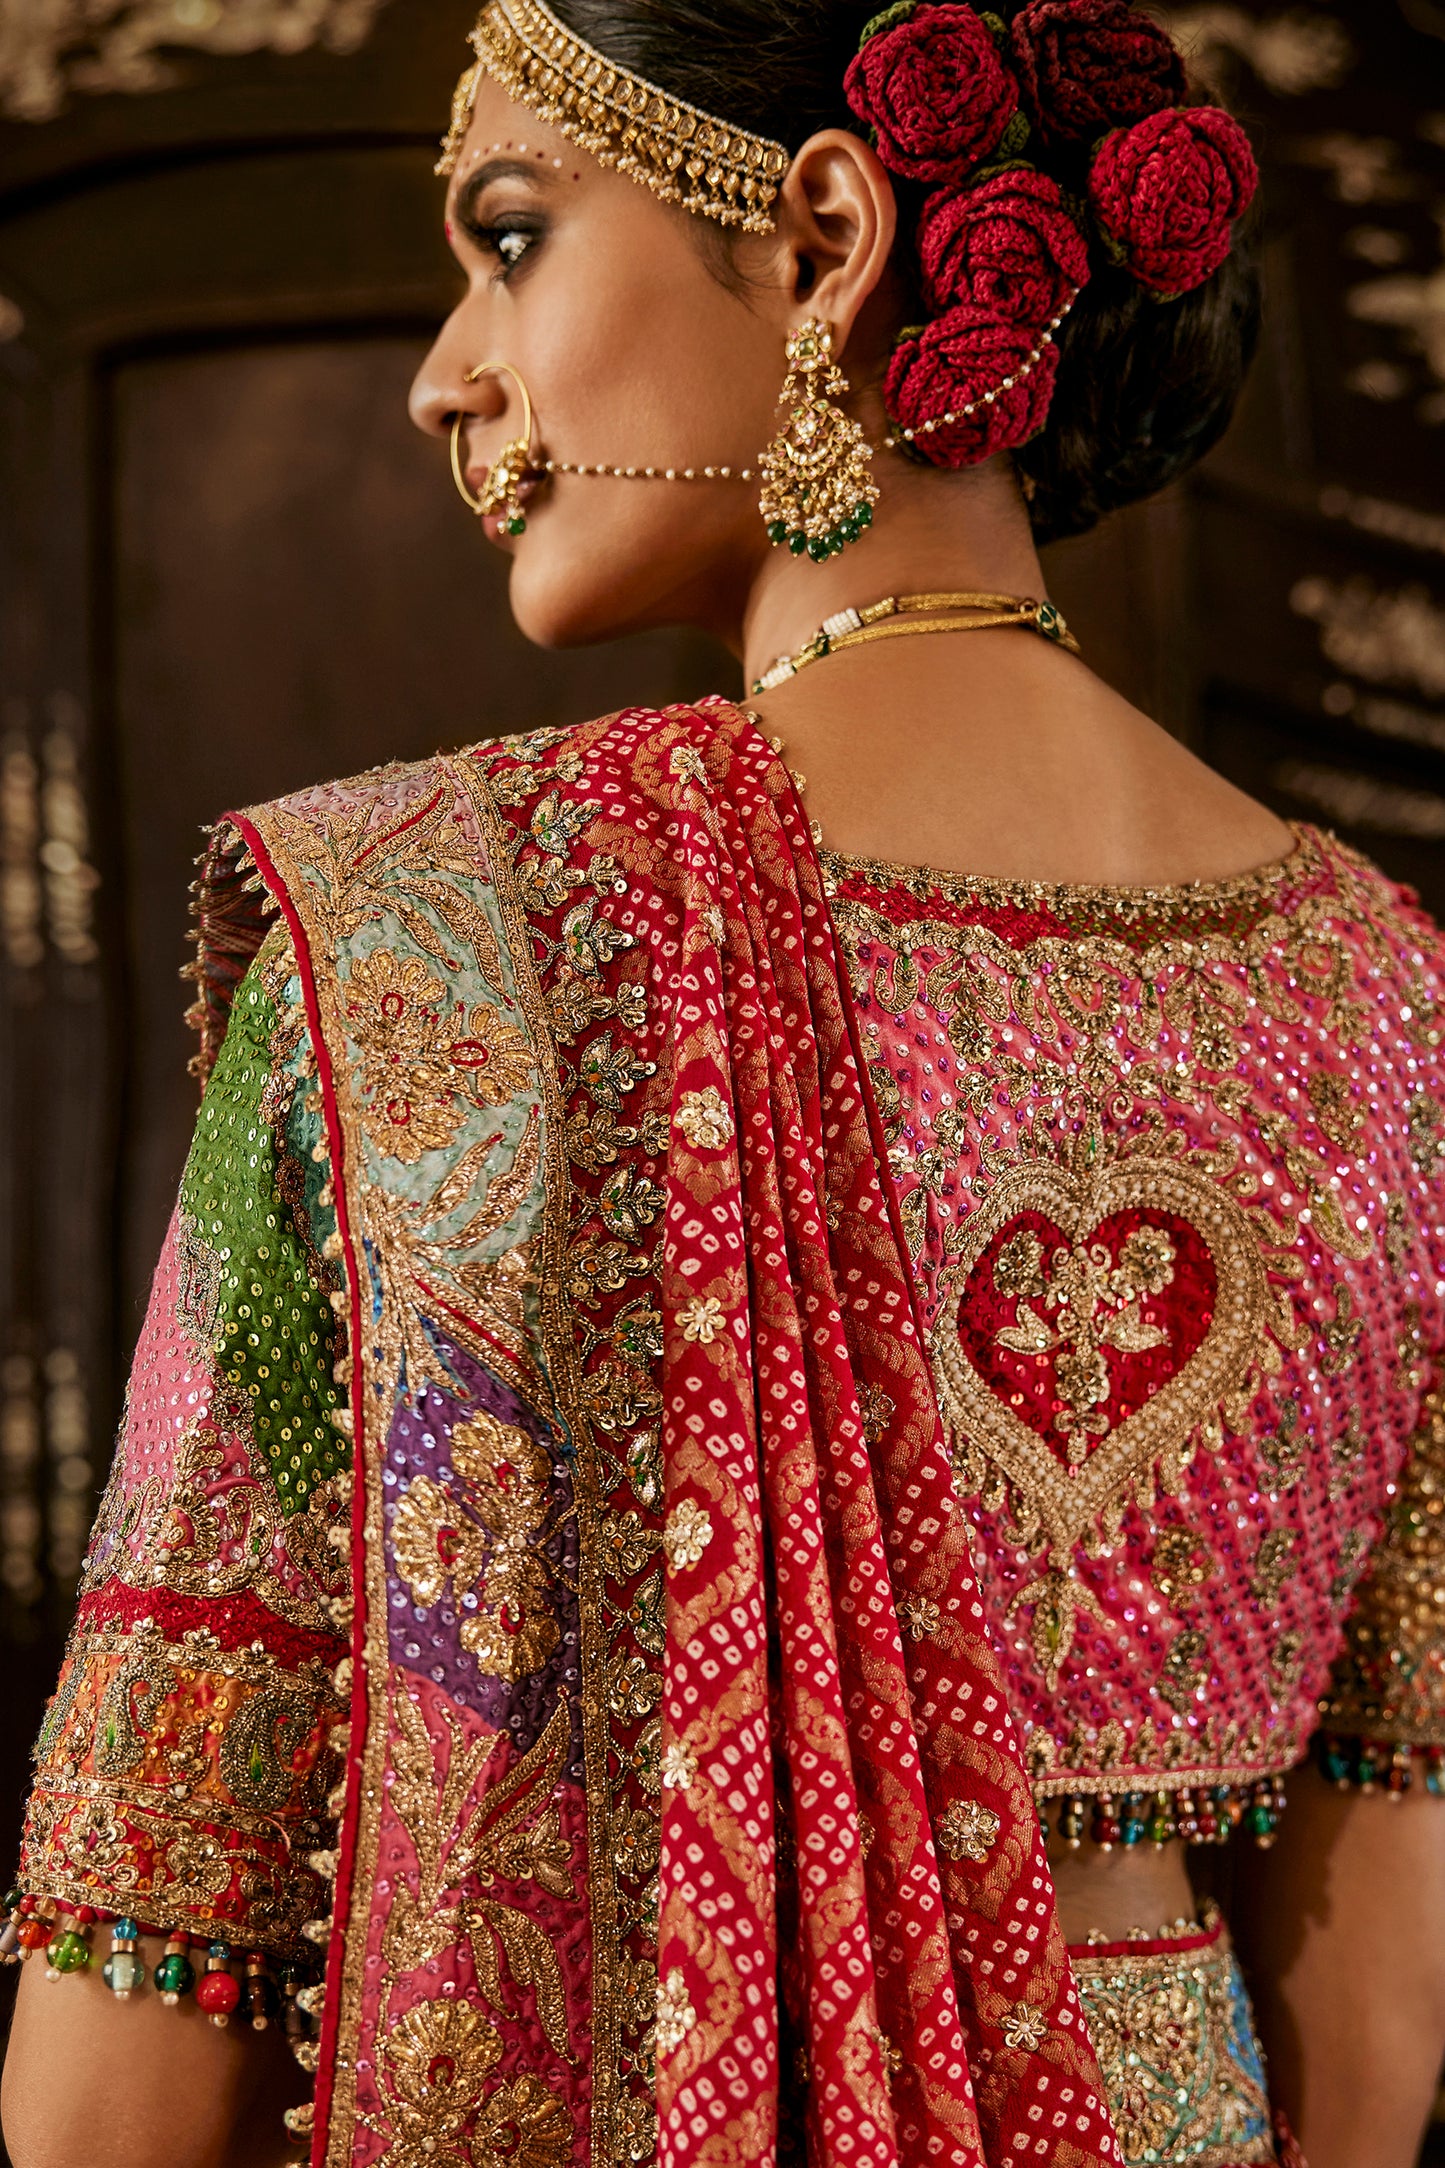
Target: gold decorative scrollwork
{"type": "Point", "coordinates": [116, 45]}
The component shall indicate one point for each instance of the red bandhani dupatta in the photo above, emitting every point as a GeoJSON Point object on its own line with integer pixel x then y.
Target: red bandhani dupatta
{"type": "Point", "coordinates": [635, 1352]}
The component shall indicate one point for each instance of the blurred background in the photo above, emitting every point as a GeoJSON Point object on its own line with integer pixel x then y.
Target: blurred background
{"type": "Point", "coordinates": [228, 567]}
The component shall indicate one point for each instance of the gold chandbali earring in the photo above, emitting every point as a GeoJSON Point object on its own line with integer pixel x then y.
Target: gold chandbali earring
{"type": "Point", "coordinates": [818, 486]}
{"type": "Point", "coordinates": [514, 464]}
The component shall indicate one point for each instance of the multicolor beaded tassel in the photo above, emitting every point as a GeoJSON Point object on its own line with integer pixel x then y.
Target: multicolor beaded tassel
{"type": "Point", "coordinates": [1197, 1814]}
{"type": "Point", "coordinates": [1376, 1764]}
{"type": "Point", "coordinates": [68, 1949]}
{"type": "Point", "coordinates": [64, 1933]}
{"type": "Point", "coordinates": [123, 1971]}
{"type": "Point", "coordinates": [218, 1991]}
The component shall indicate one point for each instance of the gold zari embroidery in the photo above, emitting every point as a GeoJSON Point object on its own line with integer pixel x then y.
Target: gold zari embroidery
{"type": "Point", "coordinates": [1175, 2042]}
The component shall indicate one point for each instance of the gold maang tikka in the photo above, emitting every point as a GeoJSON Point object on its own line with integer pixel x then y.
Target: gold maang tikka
{"type": "Point", "coordinates": [514, 464]}
{"type": "Point", "coordinates": [818, 487]}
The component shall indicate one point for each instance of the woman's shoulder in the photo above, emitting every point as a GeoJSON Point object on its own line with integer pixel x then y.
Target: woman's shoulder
{"type": "Point", "coordinates": [615, 743]}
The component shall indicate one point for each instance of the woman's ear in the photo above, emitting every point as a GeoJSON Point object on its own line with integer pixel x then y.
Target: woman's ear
{"type": "Point", "coordinates": [837, 218]}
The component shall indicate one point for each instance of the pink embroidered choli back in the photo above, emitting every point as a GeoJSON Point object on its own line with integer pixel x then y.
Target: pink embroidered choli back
{"type": "Point", "coordinates": [1169, 1165]}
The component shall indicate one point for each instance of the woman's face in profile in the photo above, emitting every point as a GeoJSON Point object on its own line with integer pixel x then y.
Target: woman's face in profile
{"type": "Point", "coordinates": [635, 353]}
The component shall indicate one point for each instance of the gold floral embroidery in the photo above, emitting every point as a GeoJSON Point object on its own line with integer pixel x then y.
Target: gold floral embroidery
{"type": "Point", "coordinates": [687, 1534]}
{"type": "Point", "coordinates": [1283, 1449]}
{"type": "Point", "coordinates": [437, 2054]}
{"type": "Point", "coordinates": [419, 1066]}
{"type": "Point", "coordinates": [1175, 2042]}
{"type": "Point", "coordinates": [876, 1409]}
{"type": "Point", "coordinates": [1025, 2028]}
{"type": "Point", "coordinates": [968, 1830]}
{"type": "Point", "coordinates": [1083, 1281]}
{"type": "Point", "coordinates": [1341, 1333]}
{"type": "Point", "coordinates": [675, 2013]}
{"type": "Point", "coordinates": [186, 1780]}
{"type": "Point", "coordinates": [1181, 1563]}
{"type": "Point", "coordinates": [485, 1541]}
{"type": "Point", "coordinates": [1155, 1759]}
{"type": "Point", "coordinates": [1336, 1110]}
{"type": "Point", "coordinates": [1347, 1457]}
{"type": "Point", "coordinates": [687, 762]}
{"type": "Point", "coordinates": [1093, 1179]}
{"type": "Point", "coordinates": [679, 1766]}
{"type": "Point", "coordinates": [1273, 1563]}
{"type": "Point", "coordinates": [416, 1256]}
{"type": "Point", "coordinates": [523, 2124]}
{"type": "Point", "coordinates": [1390, 1681]}
{"type": "Point", "coordinates": [464, 1843]}
{"type": "Point", "coordinates": [1185, 1668]}
{"type": "Point", "coordinates": [1410, 1351]}
{"type": "Point", "coordinates": [919, 1616]}
{"type": "Point", "coordinates": [1426, 1134]}
{"type": "Point", "coordinates": [705, 1119]}
{"type": "Point", "coordinates": [701, 1319]}
{"type": "Point", "coordinates": [1287, 1663]}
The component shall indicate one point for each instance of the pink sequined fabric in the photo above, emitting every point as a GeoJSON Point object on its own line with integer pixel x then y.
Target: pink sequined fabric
{"type": "Point", "coordinates": [1169, 1164]}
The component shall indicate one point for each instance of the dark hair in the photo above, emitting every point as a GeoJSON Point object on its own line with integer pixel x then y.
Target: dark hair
{"type": "Point", "coordinates": [1145, 386]}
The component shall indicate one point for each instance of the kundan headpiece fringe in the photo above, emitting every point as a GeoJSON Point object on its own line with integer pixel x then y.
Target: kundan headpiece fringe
{"type": "Point", "coordinates": [681, 154]}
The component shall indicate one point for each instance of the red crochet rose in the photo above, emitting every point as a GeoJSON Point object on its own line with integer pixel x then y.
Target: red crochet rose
{"type": "Point", "coordinates": [960, 358]}
{"type": "Point", "coordinates": [1168, 191]}
{"type": "Point", "coordinates": [1085, 66]}
{"type": "Point", "coordinates": [934, 91]}
{"type": "Point", "coordinates": [1008, 246]}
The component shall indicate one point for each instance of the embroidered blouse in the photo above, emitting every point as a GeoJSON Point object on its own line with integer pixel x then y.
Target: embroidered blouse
{"type": "Point", "coordinates": [1169, 1165]}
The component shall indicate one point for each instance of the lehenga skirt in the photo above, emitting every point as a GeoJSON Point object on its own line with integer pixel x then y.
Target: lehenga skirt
{"type": "Point", "coordinates": [1174, 2032]}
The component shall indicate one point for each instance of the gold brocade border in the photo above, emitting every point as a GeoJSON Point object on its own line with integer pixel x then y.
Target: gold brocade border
{"type": "Point", "coordinates": [369, 1644]}
{"type": "Point", "coordinates": [1120, 1783]}
{"type": "Point", "coordinates": [559, 1339]}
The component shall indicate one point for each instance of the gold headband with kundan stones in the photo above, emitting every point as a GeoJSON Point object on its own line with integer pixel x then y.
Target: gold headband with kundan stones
{"type": "Point", "coordinates": [683, 155]}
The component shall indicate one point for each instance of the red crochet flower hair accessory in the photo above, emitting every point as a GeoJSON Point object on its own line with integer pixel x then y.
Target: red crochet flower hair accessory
{"type": "Point", "coordinates": [976, 109]}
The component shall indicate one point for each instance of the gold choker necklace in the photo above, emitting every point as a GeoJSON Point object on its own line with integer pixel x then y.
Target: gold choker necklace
{"type": "Point", "coordinates": [898, 615]}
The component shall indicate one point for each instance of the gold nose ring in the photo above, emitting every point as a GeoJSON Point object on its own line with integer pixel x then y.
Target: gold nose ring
{"type": "Point", "coordinates": [512, 465]}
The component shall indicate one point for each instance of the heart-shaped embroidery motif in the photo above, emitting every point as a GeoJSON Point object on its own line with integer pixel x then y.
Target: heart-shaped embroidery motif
{"type": "Point", "coordinates": [1097, 1315]}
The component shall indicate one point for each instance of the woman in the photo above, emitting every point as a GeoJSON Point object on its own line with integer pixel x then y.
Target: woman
{"type": "Point", "coordinates": [740, 1443]}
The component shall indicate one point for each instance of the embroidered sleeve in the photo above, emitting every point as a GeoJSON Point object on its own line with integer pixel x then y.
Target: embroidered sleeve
{"type": "Point", "coordinates": [183, 1767]}
{"type": "Point", "coordinates": [1386, 1704]}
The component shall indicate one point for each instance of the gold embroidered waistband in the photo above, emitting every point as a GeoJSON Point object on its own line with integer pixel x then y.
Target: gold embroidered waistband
{"type": "Point", "coordinates": [681, 154]}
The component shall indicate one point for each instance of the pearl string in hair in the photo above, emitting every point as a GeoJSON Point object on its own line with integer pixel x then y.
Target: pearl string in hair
{"type": "Point", "coordinates": [959, 414]}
